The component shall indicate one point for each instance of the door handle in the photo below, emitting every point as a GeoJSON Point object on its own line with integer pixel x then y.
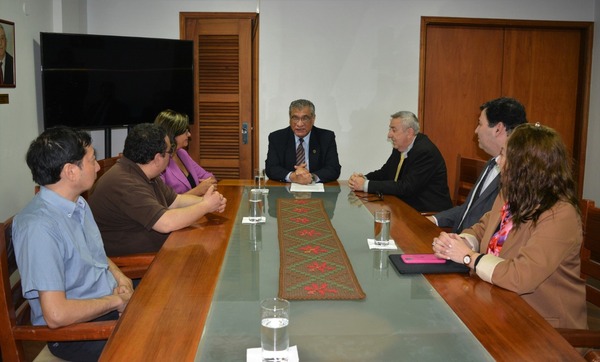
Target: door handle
{"type": "Point", "coordinates": [244, 133]}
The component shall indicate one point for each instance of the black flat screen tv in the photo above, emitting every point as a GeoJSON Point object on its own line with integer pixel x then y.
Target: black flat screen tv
{"type": "Point", "coordinates": [103, 81]}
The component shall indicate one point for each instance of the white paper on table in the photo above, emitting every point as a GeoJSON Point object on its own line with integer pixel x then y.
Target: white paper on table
{"type": "Point", "coordinates": [263, 190]}
{"type": "Point", "coordinates": [254, 354]}
{"type": "Point", "coordinates": [390, 246]}
{"type": "Point", "coordinates": [314, 187]}
{"type": "Point", "coordinates": [246, 220]}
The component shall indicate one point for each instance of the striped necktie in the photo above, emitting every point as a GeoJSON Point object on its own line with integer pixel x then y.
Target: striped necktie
{"type": "Point", "coordinates": [399, 166]}
{"type": "Point", "coordinates": [300, 152]}
{"type": "Point", "coordinates": [479, 188]}
{"type": "Point", "coordinates": [478, 191]}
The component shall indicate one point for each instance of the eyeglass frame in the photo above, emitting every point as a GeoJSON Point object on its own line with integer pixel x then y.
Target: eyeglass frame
{"type": "Point", "coordinates": [304, 119]}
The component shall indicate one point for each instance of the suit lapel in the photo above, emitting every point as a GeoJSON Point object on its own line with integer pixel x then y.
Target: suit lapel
{"type": "Point", "coordinates": [313, 149]}
{"type": "Point", "coordinates": [493, 186]}
{"type": "Point", "coordinates": [177, 173]}
{"type": "Point", "coordinates": [290, 150]}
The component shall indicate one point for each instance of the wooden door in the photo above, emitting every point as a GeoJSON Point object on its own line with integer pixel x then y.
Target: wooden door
{"type": "Point", "coordinates": [465, 62]}
{"type": "Point", "coordinates": [455, 88]}
{"type": "Point", "coordinates": [225, 133]}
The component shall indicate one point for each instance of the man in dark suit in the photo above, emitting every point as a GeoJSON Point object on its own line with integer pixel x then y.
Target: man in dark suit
{"type": "Point", "coordinates": [302, 153]}
{"type": "Point", "coordinates": [415, 171]}
{"type": "Point", "coordinates": [497, 120]}
{"type": "Point", "coordinates": [7, 76]}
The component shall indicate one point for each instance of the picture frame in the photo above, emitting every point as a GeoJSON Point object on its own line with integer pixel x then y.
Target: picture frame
{"type": "Point", "coordinates": [7, 54]}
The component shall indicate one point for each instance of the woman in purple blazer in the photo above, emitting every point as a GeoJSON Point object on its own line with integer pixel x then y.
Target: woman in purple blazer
{"type": "Point", "coordinates": [183, 174]}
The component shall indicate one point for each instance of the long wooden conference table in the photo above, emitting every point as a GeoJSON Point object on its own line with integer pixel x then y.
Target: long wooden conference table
{"type": "Point", "coordinates": [199, 298]}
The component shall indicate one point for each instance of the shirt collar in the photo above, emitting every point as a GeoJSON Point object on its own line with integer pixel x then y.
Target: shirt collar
{"type": "Point", "coordinates": [136, 168]}
{"type": "Point", "coordinates": [409, 147]}
{"type": "Point", "coordinates": [68, 207]}
{"type": "Point", "coordinates": [305, 139]}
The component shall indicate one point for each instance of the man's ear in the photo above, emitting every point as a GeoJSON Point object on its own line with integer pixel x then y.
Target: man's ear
{"type": "Point", "coordinates": [69, 171]}
{"type": "Point", "coordinates": [500, 128]}
{"type": "Point", "coordinates": [156, 160]}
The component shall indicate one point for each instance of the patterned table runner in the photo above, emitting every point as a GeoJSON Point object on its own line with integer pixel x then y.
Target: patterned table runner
{"type": "Point", "coordinates": [313, 263]}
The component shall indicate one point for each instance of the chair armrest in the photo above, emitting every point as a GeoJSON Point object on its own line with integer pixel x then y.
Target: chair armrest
{"type": "Point", "coordinates": [134, 266]}
{"type": "Point", "coordinates": [75, 332]}
{"type": "Point", "coordinates": [581, 337]}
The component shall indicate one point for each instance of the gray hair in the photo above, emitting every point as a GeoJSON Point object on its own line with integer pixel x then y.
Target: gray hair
{"type": "Point", "coordinates": [409, 120]}
{"type": "Point", "coordinates": [301, 103]}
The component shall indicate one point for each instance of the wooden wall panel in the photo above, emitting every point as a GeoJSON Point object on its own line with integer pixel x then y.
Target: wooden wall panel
{"type": "Point", "coordinates": [463, 70]}
{"type": "Point", "coordinates": [546, 65]}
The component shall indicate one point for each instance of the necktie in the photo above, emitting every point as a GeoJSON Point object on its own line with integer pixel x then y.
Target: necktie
{"type": "Point", "coordinates": [477, 191]}
{"type": "Point", "coordinates": [479, 188]}
{"type": "Point", "coordinates": [399, 166]}
{"type": "Point", "coordinates": [300, 152]}
{"type": "Point", "coordinates": [1, 74]}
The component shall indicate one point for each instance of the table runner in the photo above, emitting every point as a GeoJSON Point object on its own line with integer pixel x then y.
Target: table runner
{"type": "Point", "coordinates": [313, 262]}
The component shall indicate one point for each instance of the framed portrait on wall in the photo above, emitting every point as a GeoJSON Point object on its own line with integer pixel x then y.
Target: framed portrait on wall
{"type": "Point", "coordinates": [7, 54]}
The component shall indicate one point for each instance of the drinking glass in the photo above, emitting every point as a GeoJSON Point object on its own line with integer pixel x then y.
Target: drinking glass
{"type": "Point", "coordinates": [382, 227]}
{"type": "Point", "coordinates": [256, 205]}
{"type": "Point", "coordinates": [259, 179]}
{"type": "Point", "coordinates": [274, 337]}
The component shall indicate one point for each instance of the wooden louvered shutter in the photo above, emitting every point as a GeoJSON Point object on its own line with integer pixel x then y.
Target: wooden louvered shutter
{"type": "Point", "coordinates": [224, 93]}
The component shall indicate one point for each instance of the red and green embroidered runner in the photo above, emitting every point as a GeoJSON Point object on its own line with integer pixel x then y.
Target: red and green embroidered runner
{"type": "Point", "coordinates": [313, 263]}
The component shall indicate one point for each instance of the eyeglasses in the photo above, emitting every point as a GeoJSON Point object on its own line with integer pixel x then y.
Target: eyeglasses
{"type": "Point", "coordinates": [304, 119]}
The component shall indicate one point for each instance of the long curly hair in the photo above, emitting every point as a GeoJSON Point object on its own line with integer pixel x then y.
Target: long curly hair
{"type": "Point", "coordinates": [537, 173]}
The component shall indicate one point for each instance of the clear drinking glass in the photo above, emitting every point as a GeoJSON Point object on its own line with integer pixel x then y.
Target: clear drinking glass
{"type": "Point", "coordinates": [256, 205]}
{"type": "Point", "coordinates": [259, 179]}
{"type": "Point", "coordinates": [274, 337]}
{"type": "Point", "coordinates": [382, 227]}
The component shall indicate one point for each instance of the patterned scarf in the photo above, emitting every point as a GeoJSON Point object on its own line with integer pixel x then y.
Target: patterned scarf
{"type": "Point", "coordinates": [497, 240]}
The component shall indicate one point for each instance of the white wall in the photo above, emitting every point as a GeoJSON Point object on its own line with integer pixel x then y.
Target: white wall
{"type": "Point", "coordinates": [591, 186]}
{"type": "Point", "coordinates": [20, 119]}
{"type": "Point", "coordinates": [357, 60]}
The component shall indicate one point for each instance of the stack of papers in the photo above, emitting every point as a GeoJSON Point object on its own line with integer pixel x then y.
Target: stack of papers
{"type": "Point", "coordinates": [314, 187]}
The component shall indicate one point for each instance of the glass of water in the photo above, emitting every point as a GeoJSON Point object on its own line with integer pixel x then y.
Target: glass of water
{"type": "Point", "coordinates": [274, 337]}
{"type": "Point", "coordinates": [382, 227]}
{"type": "Point", "coordinates": [259, 179]}
{"type": "Point", "coordinates": [256, 205]}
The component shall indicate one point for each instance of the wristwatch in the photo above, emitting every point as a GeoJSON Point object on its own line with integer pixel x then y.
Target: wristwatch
{"type": "Point", "coordinates": [314, 177]}
{"type": "Point", "coordinates": [467, 259]}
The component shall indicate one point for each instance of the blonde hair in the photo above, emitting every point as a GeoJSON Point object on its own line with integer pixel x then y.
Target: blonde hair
{"type": "Point", "coordinates": [174, 123]}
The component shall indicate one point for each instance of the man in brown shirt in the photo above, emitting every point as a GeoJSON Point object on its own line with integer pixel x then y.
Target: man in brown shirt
{"type": "Point", "coordinates": [133, 208]}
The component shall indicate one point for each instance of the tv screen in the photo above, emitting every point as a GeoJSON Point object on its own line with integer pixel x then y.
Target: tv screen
{"type": "Point", "coordinates": [101, 81]}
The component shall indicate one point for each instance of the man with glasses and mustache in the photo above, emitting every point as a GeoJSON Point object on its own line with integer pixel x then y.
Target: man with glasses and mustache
{"type": "Point", "coordinates": [133, 207]}
{"type": "Point", "coordinates": [302, 153]}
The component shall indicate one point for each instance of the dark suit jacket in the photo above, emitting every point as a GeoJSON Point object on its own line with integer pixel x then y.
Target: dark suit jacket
{"type": "Point", "coordinates": [9, 77]}
{"type": "Point", "coordinates": [422, 183]}
{"type": "Point", "coordinates": [452, 217]}
{"type": "Point", "coordinates": [322, 154]}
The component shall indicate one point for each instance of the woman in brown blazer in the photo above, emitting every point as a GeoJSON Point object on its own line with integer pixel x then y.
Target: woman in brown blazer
{"type": "Point", "coordinates": [530, 240]}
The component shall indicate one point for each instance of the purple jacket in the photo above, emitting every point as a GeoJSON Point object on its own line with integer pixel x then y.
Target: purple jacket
{"type": "Point", "coordinates": [173, 176]}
